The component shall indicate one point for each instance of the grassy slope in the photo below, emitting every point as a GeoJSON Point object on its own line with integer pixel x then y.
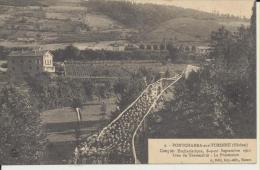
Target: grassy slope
{"type": "Point", "coordinates": [155, 21]}
{"type": "Point", "coordinates": [158, 21]}
{"type": "Point", "coordinates": [189, 29]}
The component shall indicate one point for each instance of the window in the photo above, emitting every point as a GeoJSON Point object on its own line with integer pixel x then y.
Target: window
{"type": "Point", "coordinates": [48, 62]}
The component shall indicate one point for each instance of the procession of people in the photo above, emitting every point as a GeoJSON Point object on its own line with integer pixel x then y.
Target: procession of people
{"type": "Point", "coordinates": [115, 140]}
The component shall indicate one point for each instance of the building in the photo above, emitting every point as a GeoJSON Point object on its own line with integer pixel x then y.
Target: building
{"type": "Point", "coordinates": [204, 50]}
{"type": "Point", "coordinates": [29, 63]}
{"type": "Point", "coordinates": [118, 46]}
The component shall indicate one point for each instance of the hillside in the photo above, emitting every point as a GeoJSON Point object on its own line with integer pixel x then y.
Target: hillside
{"type": "Point", "coordinates": [38, 22]}
{"type": "Point", "coordinates": [146, 15]}
{"type": "Point", "coordinates": [157, 22]}
{"type": "Point", "coordinates": [21, 2]}
{"type": "Point", "coordinates": [188, 29]}
{"type": "Point", "coordinates": [59, 21]}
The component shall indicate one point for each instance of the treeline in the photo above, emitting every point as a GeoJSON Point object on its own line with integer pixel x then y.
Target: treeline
{"type": "Point", "coordinates": [73, 53]}
{"type": "Point", "coordinates": [4, 53]}
{"type": "Point", "coordinates": [147, 15]}
{"type": "Point", "coordinates": [62, 92]}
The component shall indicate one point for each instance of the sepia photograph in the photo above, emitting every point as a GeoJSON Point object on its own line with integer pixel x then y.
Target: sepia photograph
{"type": "Point", "coordinates": [127, 82]}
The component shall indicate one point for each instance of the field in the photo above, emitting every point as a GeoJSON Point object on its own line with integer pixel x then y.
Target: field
{"type": "Point", "coordinates": [38, 23]}
{"type": "Point", "coordinates": [62, 123]}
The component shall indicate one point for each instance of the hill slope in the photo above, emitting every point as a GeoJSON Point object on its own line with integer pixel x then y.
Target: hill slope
{"type": "Point", "coordinates": [21, 2]}
{"type": "Point", "coordinates": [188, 29]}
{"type": "Point", "coordinates": [69, 21]}
{"type": "Point", "coordinates": [158, 21]}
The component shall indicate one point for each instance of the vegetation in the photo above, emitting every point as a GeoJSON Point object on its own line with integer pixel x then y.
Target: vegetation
{"type": "Point", "coordinates": [147, 15]}
{"type": "Point", "coordinates": [22, 136]}
{"type": "Point", "coordinates": [128, 90]}
{"type": "Point", "coordinates": [220, 100]}
{"type": "Point", "coordinates": [3, 65]}
{"type": "Point", "coordinates": [217, 102]}
{"type": "Point", "coordinates": [21, 3]}
{"type": "Point", "coordinates": [73, 53]}
{"type": "Point", "coordinates": [60, 93]}
{"type": "Point", "coordinates": [3, 53]}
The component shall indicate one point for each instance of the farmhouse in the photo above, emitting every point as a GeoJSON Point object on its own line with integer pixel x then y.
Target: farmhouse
{"type": "Point", "coordinates": [29, 63]}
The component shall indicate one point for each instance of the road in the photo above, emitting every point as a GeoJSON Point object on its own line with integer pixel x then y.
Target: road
{"type": "Point", "coordinates": [119, 135]}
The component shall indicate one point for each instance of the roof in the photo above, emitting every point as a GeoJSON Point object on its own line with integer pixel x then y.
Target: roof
{"type": "Point", "coordinates": [27, 53]}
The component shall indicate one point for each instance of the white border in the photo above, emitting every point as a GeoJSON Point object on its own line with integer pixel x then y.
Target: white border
{"type": "Point", "coordinates": [135, 167]}
{"type": "Point", "coordinates": [257, 77]}
{"type": "Point", "coordinates": [164, 167]}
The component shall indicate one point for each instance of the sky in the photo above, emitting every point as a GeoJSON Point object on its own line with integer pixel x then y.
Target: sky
{"type": "Point", "coordinates": [235, 7]}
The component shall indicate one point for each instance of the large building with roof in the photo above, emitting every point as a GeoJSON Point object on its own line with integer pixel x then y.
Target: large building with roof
{"type": "Point", "coordinates": [29, 63]}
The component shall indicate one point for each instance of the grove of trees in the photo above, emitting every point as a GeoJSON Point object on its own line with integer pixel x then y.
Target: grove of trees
{"type": "Point", "coordinates": [220, 100]}
{"type": "Point", "coordinates": [22, 136]}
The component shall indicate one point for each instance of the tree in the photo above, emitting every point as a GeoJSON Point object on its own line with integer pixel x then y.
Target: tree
{"type": "Point", "coordinates": [4, 65]}
{"type": "Point", "coordinates": [142, 46]}
{"type": "Point", "coordinates": [162, 46]}
{"type": "Point", "coordinates": [76, 103]}
{"type": "Point", "coordinates": [155, 47]}
{"type": "Point", "coordinates": [71, 52]}
{"type": "Point", "coordinates": [167, 73]}
{"type": "Point", "coordinates": [89, 88]}
{"type": "Point", "coordinates": [128, 90]}
{"type": "Point", "coordinates": [220, 100]}
{"type": "Point", "coordinates": [22, 135]}
{"type": "Point", "coordinates": [193, 49]}
{"type": "Point", "coordinates": [3, 53]}
{"type": "Point", "coordinates": [191, 113]}
{"type": "Point", "coordinates": [234, 72]}
{"type": "Point", "coordinates": [253, 21]}
{"type": "Point", "coordinates": [174, 52]}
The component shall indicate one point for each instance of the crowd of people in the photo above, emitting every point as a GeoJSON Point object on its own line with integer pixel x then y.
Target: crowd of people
{"type": "Point", "coordinates": [121, 131]}
{"type": "Point", "coordinates": [117, 136]}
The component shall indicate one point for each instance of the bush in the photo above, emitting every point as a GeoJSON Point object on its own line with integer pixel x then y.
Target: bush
{"type": "Point", "coordinates": [4, 65]}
